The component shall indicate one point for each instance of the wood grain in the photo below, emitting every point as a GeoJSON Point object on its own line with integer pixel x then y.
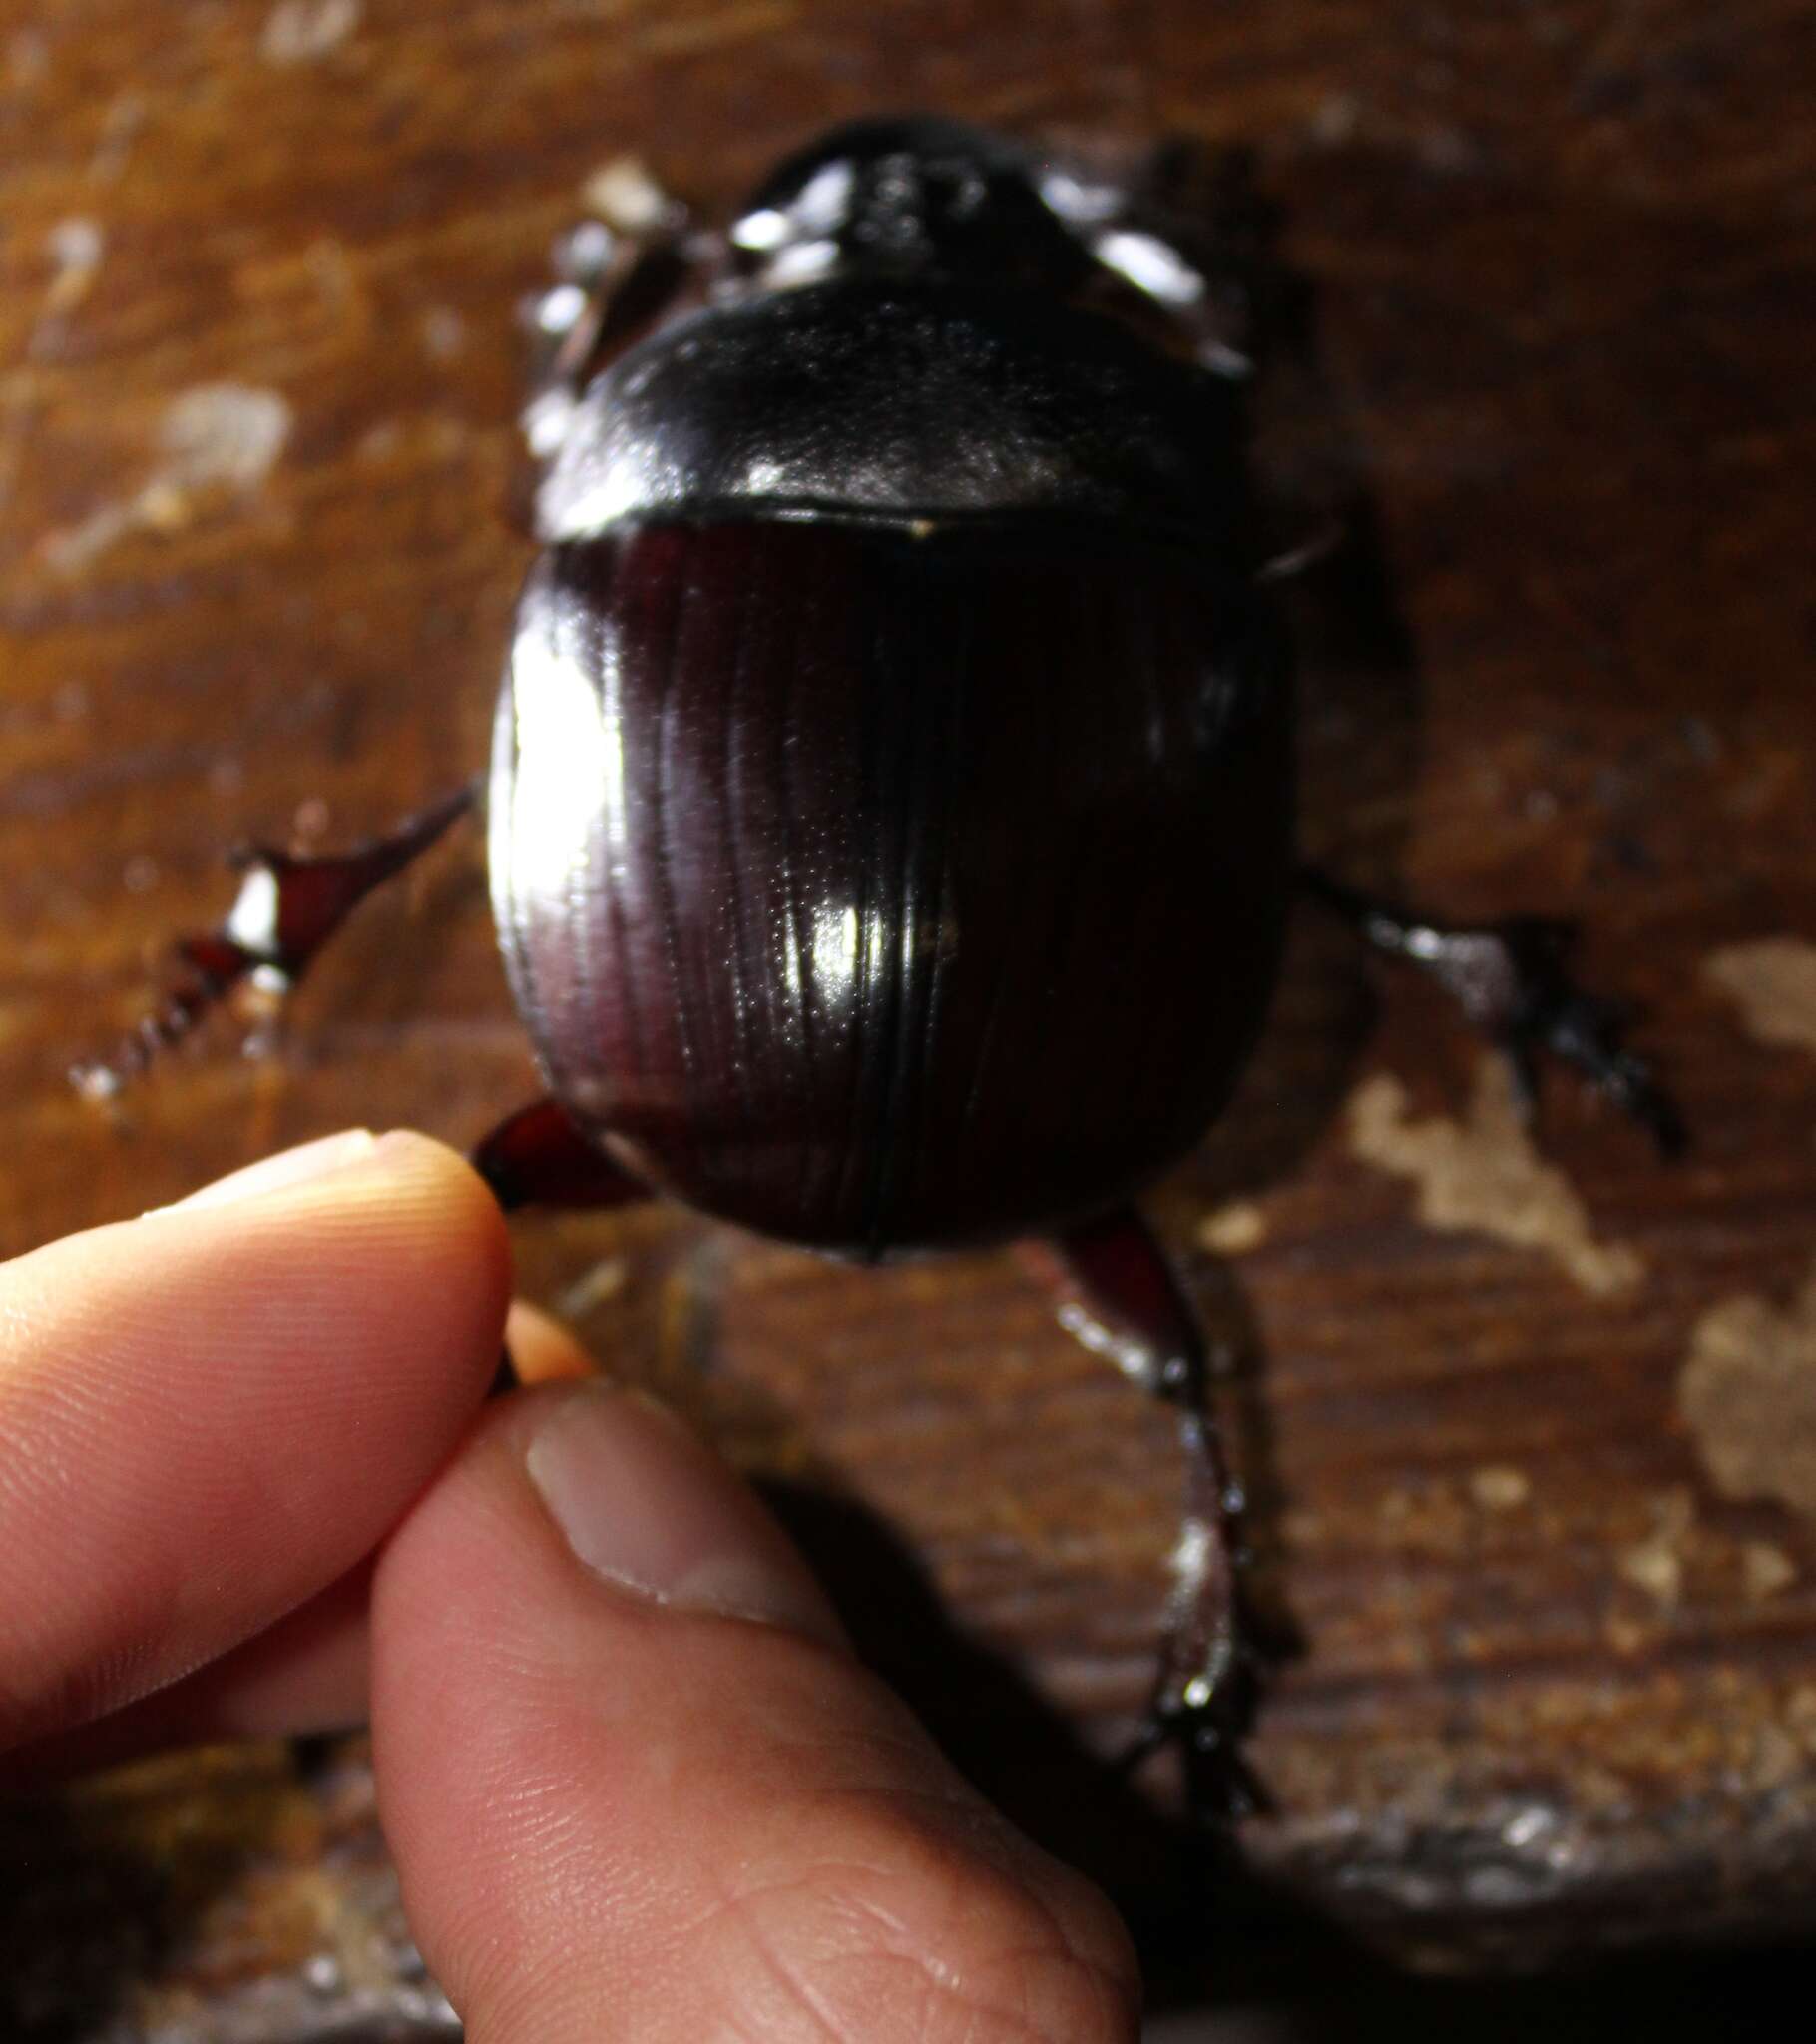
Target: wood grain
{"type": "Point", "coordinates": [1549, 1679]}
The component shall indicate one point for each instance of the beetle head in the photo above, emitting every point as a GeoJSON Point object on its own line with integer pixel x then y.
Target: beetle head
{"type": "Point", "coordinates": [904, 197]}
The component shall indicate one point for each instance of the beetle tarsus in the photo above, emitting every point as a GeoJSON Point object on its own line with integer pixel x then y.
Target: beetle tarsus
{"type": "Point", "coordinates": [209, 969]}
{"type": "Point", "coordinates": [1220, 1788]}
{"type": "Point", "coordinates": [1203, 1697]}
{"type": "Point", "coordinates": [1511, 979]}
{"type": "Point", "coordinates": [288, 907]}
{"type": "Point", "coordinates": [1119, 1297]}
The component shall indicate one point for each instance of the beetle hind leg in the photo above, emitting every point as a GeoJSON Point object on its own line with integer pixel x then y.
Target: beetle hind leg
{"type": "Point", "coordinates": [539, 1157]}
{"type": "Point", "coordinates": [1119, 1297]}
{"type": "Point", "coordinates": [288, 907]}
{"type": "Point", "coordinates": [1512, 981]}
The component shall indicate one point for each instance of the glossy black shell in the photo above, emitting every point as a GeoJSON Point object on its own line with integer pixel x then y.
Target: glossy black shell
{"type": "Point", "coordinates": [895, 401]}
{"type": "Point", "coordinates": [891, 800]}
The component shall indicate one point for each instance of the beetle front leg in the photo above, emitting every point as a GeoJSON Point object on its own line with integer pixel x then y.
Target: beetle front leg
{"type": "Point", "coordinates": [1202, 281]}
{"type": "Point", "coordinates": [1511, 981]}
{"type": "Point", "coordinates": [1119, 1298]}
{"type": "Point", "coordinates": [614, 272]}
{"type": "Point", "coordinates": [288, 908]}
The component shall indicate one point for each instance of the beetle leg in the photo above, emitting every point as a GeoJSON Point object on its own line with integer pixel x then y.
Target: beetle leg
{"type": "Point", "coordinates": [288, 908]}
{"type": "Point", "coordinates": [1510, 981]}
{"type": "Point", "coordinates": [1135, 242]}
{"type": "Point", "coordinates": [612, 273]}
{"type": "Point", "coordinates": [1119, 1297]}
{"type": "Point", "coordinates": [1161, 271]}
{"type": "Point", "coordinates": [539, 1157]}
{"type": "Point", "coordinates": [1315, 548]}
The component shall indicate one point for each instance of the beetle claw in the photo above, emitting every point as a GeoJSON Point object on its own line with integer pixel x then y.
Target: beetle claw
{"type": "Point", "coordinates": [1512, 981]}
{"type": "Point", "coordinates": [1207, 1726]}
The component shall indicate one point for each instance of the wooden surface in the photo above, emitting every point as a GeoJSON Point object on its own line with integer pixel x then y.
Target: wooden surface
{"type": "Point", "coordinates": [1530, 1441]}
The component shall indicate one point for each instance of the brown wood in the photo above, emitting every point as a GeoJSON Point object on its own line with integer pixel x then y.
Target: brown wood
{"type": "Point", "coordinates": [1531, 1503]}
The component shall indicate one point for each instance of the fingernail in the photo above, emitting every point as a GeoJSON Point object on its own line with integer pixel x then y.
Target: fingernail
{"type": "Point", "coordinates": [645, 1502]}
{"type": "Point", "coordinates": [288, 1168]}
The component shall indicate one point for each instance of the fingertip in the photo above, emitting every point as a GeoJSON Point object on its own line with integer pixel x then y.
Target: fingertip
{"type": "Point", "coordinates": [542, 1350]}
{"type": "Point", "coordinates": [636, 1784]}
{"type": "Point", "coordinates": [403, 1236]}
{"type": "Point", "coordinates": [419, 1172]}
{"type": "Point", "coordinates": [459, 1231]}
{"type": "Point", "coordinates": [292, 1359]}
{"type": "Point", "coordinates": [401, 1199]}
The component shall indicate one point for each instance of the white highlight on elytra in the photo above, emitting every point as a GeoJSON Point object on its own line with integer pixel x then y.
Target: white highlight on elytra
{"type": "Point", "coordinates": [570, 758]}
{"type": "Point", "coordinates": [836, 944]}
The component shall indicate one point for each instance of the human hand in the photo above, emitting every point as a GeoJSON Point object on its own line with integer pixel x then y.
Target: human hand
{"type": "Point", "coordinates": [635, 1782]}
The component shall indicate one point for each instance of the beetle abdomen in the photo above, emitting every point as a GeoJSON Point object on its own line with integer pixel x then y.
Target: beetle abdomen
{"type": "Point", "coordinates": [880, 890]}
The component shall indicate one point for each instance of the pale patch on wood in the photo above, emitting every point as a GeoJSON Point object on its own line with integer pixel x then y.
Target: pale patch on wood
{"type": "Point", "coordinates": [224, 434]}
{"type": "Point", "coordinates": [1747, 1392]}
{"type": "Point", "coordinates": [1656, 1562]}
{"type": "Point", "coordinates": [444, 334]}
{"type": "Point", "coordinates": [1765, 1570]}
{"type": "Point", "coordinates": [300, 31]}
{"type": "Point", "coordinates": [28, 58]}
{"type": "Point", "coordinates": [215, 436]}
{"type": "Point", "coordinates": [119, 129]}
{"type": "Point", "coordinates": [1230, 1230]}
{"type": "Point", "coordinates": [1773, 982]}
{"type": "Point", "coordinates": [76, 247]}
{"type": "Point", "coordinates": [1500, 1487]}
{"type": "Point", "coordinates": [626, 195]}
{"type": "Point", "coordinates": [1483, 1175]}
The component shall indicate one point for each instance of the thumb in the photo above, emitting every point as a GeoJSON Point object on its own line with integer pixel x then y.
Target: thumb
{"type": "Point", "coordinates": [638, 1787]}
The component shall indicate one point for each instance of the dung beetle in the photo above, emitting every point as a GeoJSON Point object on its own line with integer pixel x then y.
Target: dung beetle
{"type": "Point", "coordinates": [891, 807]}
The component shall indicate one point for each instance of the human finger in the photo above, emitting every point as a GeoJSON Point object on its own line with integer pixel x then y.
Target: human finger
{"type": "Point", "coordinates": [308, 1673]}
{"type": "Point", "coordinates": [638, 1787]}
{"type": "Point", "coordinates": [213, 1413]}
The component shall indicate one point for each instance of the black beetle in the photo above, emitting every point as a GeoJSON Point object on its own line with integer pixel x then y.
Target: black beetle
{"type": "Point", "coordinates": [891, 806]}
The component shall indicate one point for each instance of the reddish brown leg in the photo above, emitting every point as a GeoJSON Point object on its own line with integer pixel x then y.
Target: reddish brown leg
{"type": "Point", "coordinates": [1117, 1295]}
{"type": "Point", "coordinates": [612, 279]}
{"type": "Point", "coordinates": [536, 1157]}
{"type": "Point", "coordinates": [287, 910]}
